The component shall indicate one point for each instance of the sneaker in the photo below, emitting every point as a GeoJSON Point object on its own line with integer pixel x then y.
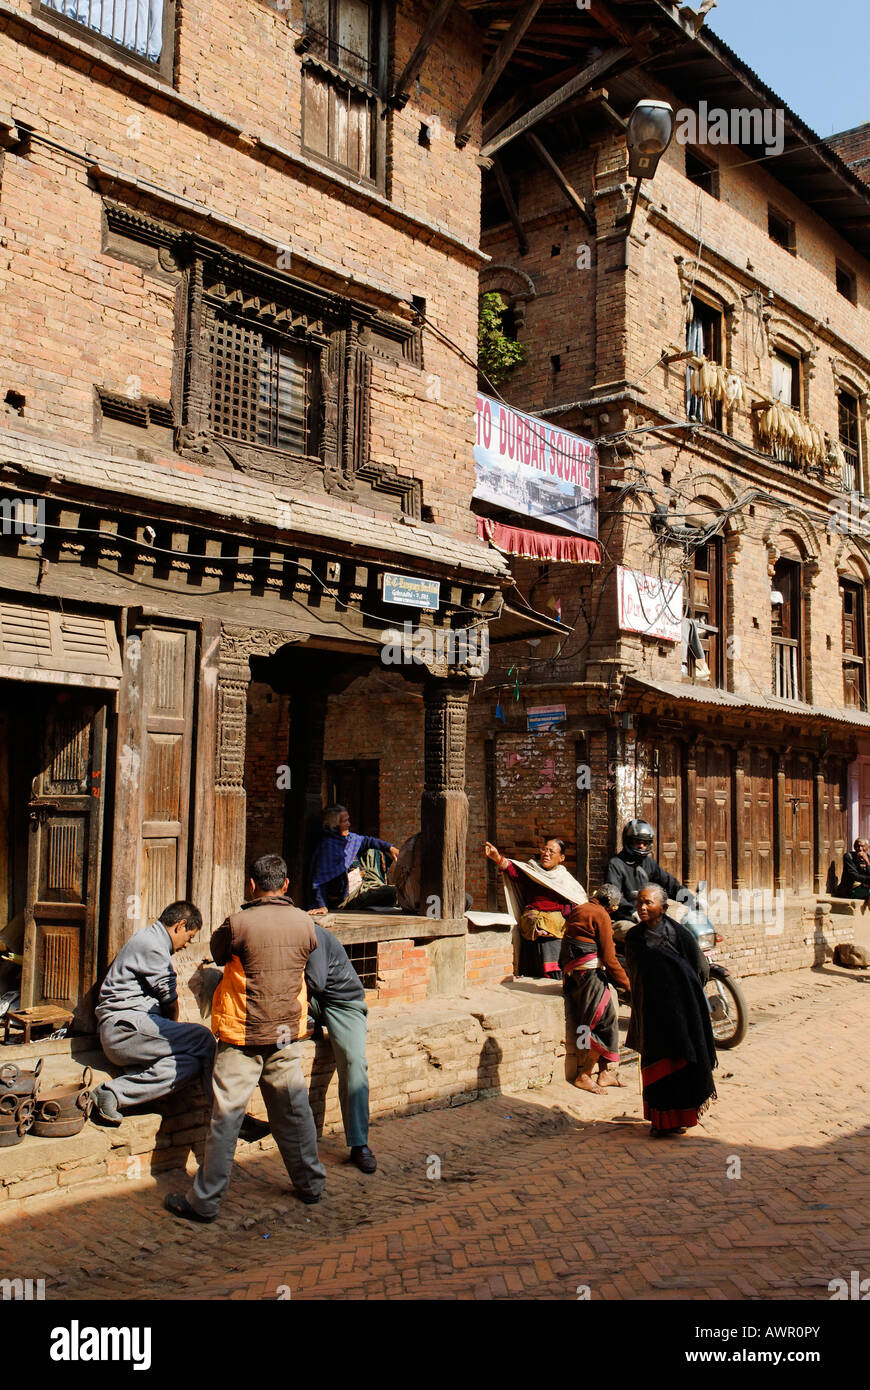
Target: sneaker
{"type": "Point", "coordinates": [106, 1105]}
{"type": "Point", "coordinates": [364, 1159]}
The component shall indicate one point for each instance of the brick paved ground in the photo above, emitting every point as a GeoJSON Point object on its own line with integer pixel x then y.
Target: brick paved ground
{"type": "Point", "coordinates": [539, 1193]}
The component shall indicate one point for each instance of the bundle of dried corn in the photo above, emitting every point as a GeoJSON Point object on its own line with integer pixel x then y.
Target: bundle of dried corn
{"type": "Point", "coordinates": [779, 424]}
{"type": "Point", "coordinates": [714, 384]}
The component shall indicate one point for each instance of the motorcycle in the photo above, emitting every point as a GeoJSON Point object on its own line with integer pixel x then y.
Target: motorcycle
{"type": "Point", "coordinates": [729, 1011]}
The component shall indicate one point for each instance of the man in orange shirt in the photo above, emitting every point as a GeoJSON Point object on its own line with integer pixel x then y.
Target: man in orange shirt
{"type": "Point", "coordinates": [256, 1012]}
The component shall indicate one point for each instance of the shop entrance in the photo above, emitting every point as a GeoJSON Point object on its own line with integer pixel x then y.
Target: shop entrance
{"type": "Point", "coordinates": [52, 771]}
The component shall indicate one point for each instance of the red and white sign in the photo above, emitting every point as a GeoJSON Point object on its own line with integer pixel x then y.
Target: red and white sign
{"type": "Point", "coordinates": [651, 606]}
{"type": "Point", "coordinates": [527, 465]}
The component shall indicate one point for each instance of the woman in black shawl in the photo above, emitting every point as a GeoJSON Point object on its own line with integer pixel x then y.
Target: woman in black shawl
{"type": "Point", "coordinates": [670, 1021]}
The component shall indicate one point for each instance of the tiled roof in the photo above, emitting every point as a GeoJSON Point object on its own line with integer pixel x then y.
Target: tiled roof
{"type": "Point", "coordinates": [727, 699]}
{"type": "Point", "coordinates": [176, 482]}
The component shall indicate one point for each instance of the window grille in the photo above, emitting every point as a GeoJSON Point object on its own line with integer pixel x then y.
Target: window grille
{"type": "Point", "coordinates": [136, 25]}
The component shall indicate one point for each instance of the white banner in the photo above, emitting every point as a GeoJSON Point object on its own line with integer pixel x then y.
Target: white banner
{"type": "Point", "coordinates": [649, 605]}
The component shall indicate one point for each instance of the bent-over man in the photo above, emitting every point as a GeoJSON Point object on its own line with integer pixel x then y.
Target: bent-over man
{"type": "Point", "coordinates": [137, 1014]}
{"type": "Point", "coordinates": [255, 1013]}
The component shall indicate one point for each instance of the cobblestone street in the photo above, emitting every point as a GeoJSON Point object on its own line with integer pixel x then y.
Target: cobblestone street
{"type": "Point", "coordinates": [539, 1194]}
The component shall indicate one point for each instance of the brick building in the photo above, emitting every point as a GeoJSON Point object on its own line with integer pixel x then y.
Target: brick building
{"type": "Point", "coordinates": [713, 675]}
{"type": "Point", "coordinates": [232, 242]}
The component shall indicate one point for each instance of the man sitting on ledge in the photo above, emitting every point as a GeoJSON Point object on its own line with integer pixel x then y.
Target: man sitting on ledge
{"type": "Point", "coordinates": [137, 1013]}
{"type": "Point", "coordinates": [345, 873]}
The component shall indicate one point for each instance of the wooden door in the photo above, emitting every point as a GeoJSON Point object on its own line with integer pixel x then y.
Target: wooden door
{"type": "Point", "coordinates": [63, 862]}
{"type": "Point", "coordinates": [834, 816]}
{"type": "Point", "coordinates": [757, 820]}
{"type": "Point", "coordinates": [712, 817]}
{"type": "Point", "coordinates": [797, 830]}
{"type": "Point", "coordinates": [659, 799]}
{"type": "Point", "coordinates": [167, 711]}
{"type": "Point", "coordinates": [356, 785]}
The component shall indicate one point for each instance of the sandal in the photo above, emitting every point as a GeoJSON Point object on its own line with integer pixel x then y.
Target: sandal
{"type": "Point", "coordinates": [605, 1085]}
{"type": "Point", "coordinates": [178, 1205]}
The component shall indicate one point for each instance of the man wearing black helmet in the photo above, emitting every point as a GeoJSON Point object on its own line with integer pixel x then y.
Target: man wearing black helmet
{"type": "Point", "coordinates": [634, 867]}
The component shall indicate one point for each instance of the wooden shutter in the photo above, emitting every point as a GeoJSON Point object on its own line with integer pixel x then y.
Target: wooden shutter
{"type": "Point", "coordinates": [757, 815]}
{"type": "Point", "coordinates": [712, 818]}
{"type": "Point", "coordinates": [167, 727]}
{"type": "Point", "coordinates": [63, 877]}
{"type": "Point", "coordinates": [798, 826]}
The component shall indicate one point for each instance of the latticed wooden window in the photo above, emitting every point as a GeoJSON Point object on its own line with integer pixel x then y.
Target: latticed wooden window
{"type": "Point", "coordinates": [261, 389]}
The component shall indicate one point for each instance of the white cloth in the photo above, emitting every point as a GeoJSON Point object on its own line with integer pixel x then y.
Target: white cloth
{"type": "Point", "coordinates": [557, 881]}
{"type": "Point", "coordinates": [137, 24]}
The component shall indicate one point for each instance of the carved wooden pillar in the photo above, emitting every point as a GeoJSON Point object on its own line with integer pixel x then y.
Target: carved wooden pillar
{"type": "Point", "coordinates": [444, 805]}
{"type": "Point", "coordinates": [234, 675]}
{"type": "Point", "coordinates": [237, 646]}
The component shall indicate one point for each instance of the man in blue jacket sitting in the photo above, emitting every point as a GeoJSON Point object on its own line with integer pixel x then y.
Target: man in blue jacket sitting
{"type": "Point", "coordinates": [342, 876]}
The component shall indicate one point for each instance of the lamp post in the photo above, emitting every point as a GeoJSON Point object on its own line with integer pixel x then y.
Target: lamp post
{"type": "Point", "coordinates": [649, 132]}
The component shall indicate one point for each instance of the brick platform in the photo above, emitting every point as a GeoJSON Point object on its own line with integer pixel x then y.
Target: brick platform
{"type": "Point", "coordinates": [421, 1057]}
{"type": "Point", "coordinates": [534, 1194]}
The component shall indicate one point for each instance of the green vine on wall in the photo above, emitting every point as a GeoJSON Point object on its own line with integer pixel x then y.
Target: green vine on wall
{"type": "Point", "coordinates": [497, 352]}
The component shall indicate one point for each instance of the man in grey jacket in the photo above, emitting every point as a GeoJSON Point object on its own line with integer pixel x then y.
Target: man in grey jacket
{"type": "Point", "coordinates": [137, 1013]}
{"type": "Point", "coordinates": [337, 999]}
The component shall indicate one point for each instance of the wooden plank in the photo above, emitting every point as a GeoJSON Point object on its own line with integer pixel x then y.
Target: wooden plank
{"type": "Point", "coordinates": [512, 210]}
{"type": "Point", "coordinates": [589, 75]}
{"type": "Point", "coordinates": [126, 852]}
{"type": "Point", "coordinates": [566, 186]}
{"type": "Point", "coordinates": [496, 67]}
{"type": "Point", "coordinates": [376, 926]}
{"type": "Point", "coordinates": [437, 19]}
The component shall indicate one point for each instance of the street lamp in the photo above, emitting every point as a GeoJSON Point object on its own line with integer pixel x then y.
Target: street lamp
{"type": "Point", "coordinates": [649, 131]}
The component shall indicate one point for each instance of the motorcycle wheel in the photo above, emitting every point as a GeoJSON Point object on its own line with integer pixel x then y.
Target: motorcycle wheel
{"type": "Point", "coordinates": [730, 1031]}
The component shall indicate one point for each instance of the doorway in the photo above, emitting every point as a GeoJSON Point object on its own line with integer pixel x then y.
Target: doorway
{"type": "Point", "coordinates": [356, 784]}
{"type": "Point", "coordinates": [51, 804]}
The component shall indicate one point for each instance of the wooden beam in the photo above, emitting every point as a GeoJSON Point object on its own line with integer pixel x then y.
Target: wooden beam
{"type": "Point", "coordinates": [512, 210]}
{"type": "Point", "coordinates": [574, 87]}
{"type": "Point", "coordinates": [496, 67]}
{"type": "Point", "coordinates": [567, 188]}
{"type": "Point", "coordinates": [411, 71]}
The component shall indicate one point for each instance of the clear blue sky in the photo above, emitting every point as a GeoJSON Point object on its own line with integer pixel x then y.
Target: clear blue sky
{"type": "Point", "coordinates": [815, 54]}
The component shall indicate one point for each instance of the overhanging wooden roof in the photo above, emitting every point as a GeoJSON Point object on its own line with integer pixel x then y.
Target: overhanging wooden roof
{"type": "Point", "coordinates": [666, 43]}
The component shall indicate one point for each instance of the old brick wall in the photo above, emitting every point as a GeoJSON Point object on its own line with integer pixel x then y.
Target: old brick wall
{"type": "Point", "coordinates": [420, 1057]}
{"type": "Point", "coordinates": [79, 317]}
{"type": "Point", "coordinates": [380, 717]}
{"type": "Point", "coordinates": [266, 749]}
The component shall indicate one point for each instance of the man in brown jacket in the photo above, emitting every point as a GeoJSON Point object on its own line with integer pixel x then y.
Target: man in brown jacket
{"type": "Point", "coordinates": [255, 1014]}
